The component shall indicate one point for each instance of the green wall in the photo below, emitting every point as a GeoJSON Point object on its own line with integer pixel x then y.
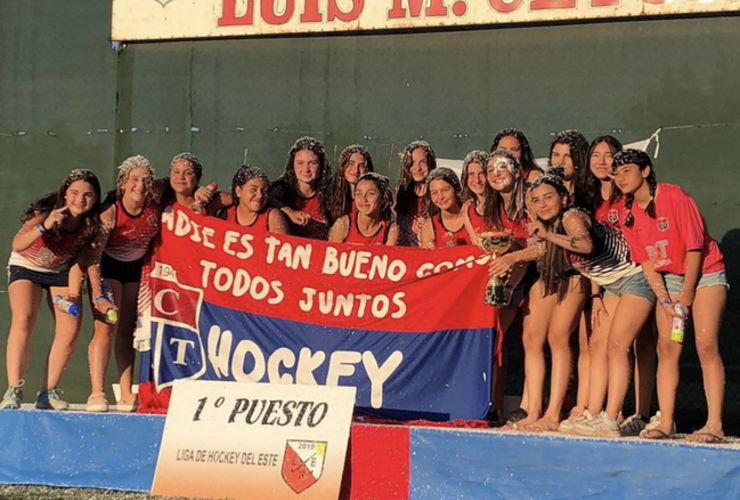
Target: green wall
{"type": "Point", "coordinates": [77, 100]}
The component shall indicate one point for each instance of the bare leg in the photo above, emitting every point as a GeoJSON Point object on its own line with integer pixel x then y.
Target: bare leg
{"type": "Point", "coordinates": [584, 363]}
{"type": "Point", "coordinates": [536, 318]}
{"type": "Point", "coordinates": [669, 353]}
{"type": "Point", "coordinates": [708, 308]}
{"type": "Point", "coordinates": [599, 362]}
{"type": "Point", "coordinates": [66, 332]}
{"type": "Point", "coordinates": [631, 314]}
{"type": "Point", "coordinates": [125, 354]}
{"type": "Point", "coordinates": [562, 323]}
{"type": "Point", "coordinates": [99, 350]}
{"type": "Point", "coordinates": [645, 357]}
{"type": "Point", "coordinates": [25, 300]}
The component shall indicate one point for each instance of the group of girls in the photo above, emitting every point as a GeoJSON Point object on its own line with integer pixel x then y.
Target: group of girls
{"type": "Point", "coordinates": [587, 256]}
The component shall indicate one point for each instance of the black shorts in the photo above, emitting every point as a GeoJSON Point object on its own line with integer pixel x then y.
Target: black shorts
{"type": "Point", "coordinates": [123, 272]}
{"type": "Point", "coordinates": [46, 280]}
{"type": "Point", "coordinates": [521, 292]}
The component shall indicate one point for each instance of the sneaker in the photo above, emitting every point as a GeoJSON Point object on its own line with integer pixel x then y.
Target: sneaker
{"type": "Point", "coordinates": [517, 415]}
{"type": "Point", "coordinates": [633, 425]}
{"type": "Point", "coordinates": [654, 421]}
{"type": "Point", "coordinates": [567, 425]}
{"type": "Point", "coordinates": [13, 397]}
{"type": "Point", "coordinates": [97, 403]}
{"type": "Point", "coordinates": [51, 400]}
{"type": "Point", "coordinates": [601, 425]}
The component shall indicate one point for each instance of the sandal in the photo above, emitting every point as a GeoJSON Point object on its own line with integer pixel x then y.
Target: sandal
{"type": "Point", "coordinates": [97, 403]}
{"type": "Point", "coordinates": [706, 435]}
{"type": "Point", "coordinates": [125, 407]}
{"type": "Point", "coordinates": [656, 434]}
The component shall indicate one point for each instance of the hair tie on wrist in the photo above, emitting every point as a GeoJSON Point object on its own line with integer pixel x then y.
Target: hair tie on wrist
{"type": "Point", "coordinates": [665, 302]}
{"type": "Point", "coordinates": [42, 229]}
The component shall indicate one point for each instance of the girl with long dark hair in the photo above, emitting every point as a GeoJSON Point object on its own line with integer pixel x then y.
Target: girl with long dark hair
{"type": "Point", "coordinates": [354, 161]}
{"type": "Point", "coordinates": [412, 204]}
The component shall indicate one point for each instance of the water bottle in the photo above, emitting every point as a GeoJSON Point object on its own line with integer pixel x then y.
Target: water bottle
{"type": "Point", "coordinates": [111, 315]}
{"type": "Point", "coordinates": [677, 325]}
{"type": "Point", "coordinates": [65, 305]}
{"type": "Point", "coordinates": [199, 205]}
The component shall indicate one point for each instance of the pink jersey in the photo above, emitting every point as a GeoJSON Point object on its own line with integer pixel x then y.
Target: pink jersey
{"type": "Point", "coordinates": [47, 254]}
{"type": "Point", "coordinates": [317, 227]}
{"type": "Point", "coordinates": [355, 236]}
{"type": "Point", "coordinates": [677, 228]}
{"type": "Point", "coordinates": [443, 237]}
{"type": "Point", "coordinates": [131, 236]}
{"type": "Point", "coordinates": [610, 213]}
{"type": "Point", "coordinates": [260, 223]}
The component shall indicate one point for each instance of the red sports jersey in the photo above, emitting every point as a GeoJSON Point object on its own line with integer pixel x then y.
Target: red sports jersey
{"type": "Point", "coordinates": [610, 213]}
{"type": "Point", "coordinates": [409, 224]}
{"type": "Point", "coordinates": [477, 221]}
{"type": "Point", "coordinates": [48, 254]}
{"type": "Point", "coordinates": [260, 223]}
{"type": "Point", "coordinates": [317, 227]}
{"type": "Point", "coordinates": [130, 238]}
{"type": "Point", "coordinates": [517, 228]}
{"type": "Point", "coordinates": [443, 237]}
{"type": "Point", "coordinates": [380, 237]}
{"type": "Point", "coordinates": [677, 228]}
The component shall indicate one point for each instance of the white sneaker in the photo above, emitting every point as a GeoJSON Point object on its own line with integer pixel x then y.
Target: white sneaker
{"type": "Point", "coordinates": [633, 425]}
{"type": "Point", "coordinates": [654, 422]}
{"type": "Point", "coordinates": [601, 425]}
{"type": "Point", "coordinates": [567, 426]}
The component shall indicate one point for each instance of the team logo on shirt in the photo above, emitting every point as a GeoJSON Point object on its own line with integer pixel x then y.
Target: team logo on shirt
{"type": "Point", "coordinates": [613, 216]}
{"type": "Point", "coordinates": [663, 223]}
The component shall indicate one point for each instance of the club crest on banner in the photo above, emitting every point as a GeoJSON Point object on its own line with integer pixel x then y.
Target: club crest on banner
{"type": "Point", "coordinates": [303, 463]}
{"type": "Point", "coordinates": [663, 224]}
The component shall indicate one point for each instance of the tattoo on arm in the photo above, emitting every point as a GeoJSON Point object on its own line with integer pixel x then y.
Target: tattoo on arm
{"type": "Point", "coordinates": [573, 241]}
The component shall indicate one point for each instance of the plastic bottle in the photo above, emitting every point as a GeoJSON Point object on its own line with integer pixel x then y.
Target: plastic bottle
{"type": "Point", "coordinates": [111, 315]}
{"type": "Point", "coordinates": [199, 205]}
{"type": "Point", "coordinates": [65, 305]}
{"type": "Point", "coordinates": [678, 324]}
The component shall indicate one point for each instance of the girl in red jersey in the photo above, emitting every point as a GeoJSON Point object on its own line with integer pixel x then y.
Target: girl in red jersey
{"type": "Point", "coordinates": [302, 192]}
{"type": "Point", "coordinates": [474, 191]}
{"type": "Point", "coordinates": [685, 267]}
{"type": "Point", "coordinates": [445, 226]}
{"type": "Point", "coordinates": [354, 161]}
{"type": "Point", "coordinates": [412, 204]}
{"type": "Point", "coordinates": [131, 220]}
{"type": "Point", "coordinates": [371, 223]}
{"type": "Point", "coordinates": [56, 228]}
{"type": "Point", "coordinates": [249, 192]}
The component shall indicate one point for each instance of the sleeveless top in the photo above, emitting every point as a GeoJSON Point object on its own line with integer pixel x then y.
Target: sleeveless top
{"type": "Point", "coordinates": [408, 236]}
{"type": "Point", "coordinates": [130, 238]}
{"type": "Point", "coordinates": [477, 221]}
{"type": "Point", "coordinates": [260, 223]}
{"type": "Point", "coordinates": [380, 237]}
{"type": "Point", "coordinates": [317, 227]}
{"type": "Point", "coordinates": [47, 255]}
{"type": "Point", "coordinates": [443, 237]}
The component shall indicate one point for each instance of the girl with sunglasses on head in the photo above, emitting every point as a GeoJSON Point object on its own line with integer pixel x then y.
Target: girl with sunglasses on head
{"type": "Point", "coordinates": [686, 270]}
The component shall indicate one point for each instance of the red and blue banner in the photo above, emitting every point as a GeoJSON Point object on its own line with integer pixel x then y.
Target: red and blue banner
{"type": "Point", "coordinates": [407, 327]}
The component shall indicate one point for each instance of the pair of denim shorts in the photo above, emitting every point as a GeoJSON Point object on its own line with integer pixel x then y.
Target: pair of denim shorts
{"type": "Point", "coordinates": [46, 280]}
{"type": "Point", "coordinates": [635, 284]}
{"type": "Point", "coordinates": [674, 282]}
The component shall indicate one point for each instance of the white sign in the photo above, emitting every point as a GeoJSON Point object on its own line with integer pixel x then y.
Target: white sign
{"type": "Point", "coordinates": [168, 19]}
{"type": "Point", "coordinates": [254, 441]}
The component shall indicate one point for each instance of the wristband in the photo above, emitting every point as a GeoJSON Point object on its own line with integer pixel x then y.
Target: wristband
{"type": "Point", "coordinates": [42, 229]}
{"type": "Point", "coordinates": [99, 298]}
{"type": "Point", "coordinates": [597, 296]}
{"type": "Point", "coordinates": [666, 302]}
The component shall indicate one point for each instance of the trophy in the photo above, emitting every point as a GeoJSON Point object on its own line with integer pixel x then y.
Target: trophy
{"type": "Point", "coordinates": [496, 244]}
